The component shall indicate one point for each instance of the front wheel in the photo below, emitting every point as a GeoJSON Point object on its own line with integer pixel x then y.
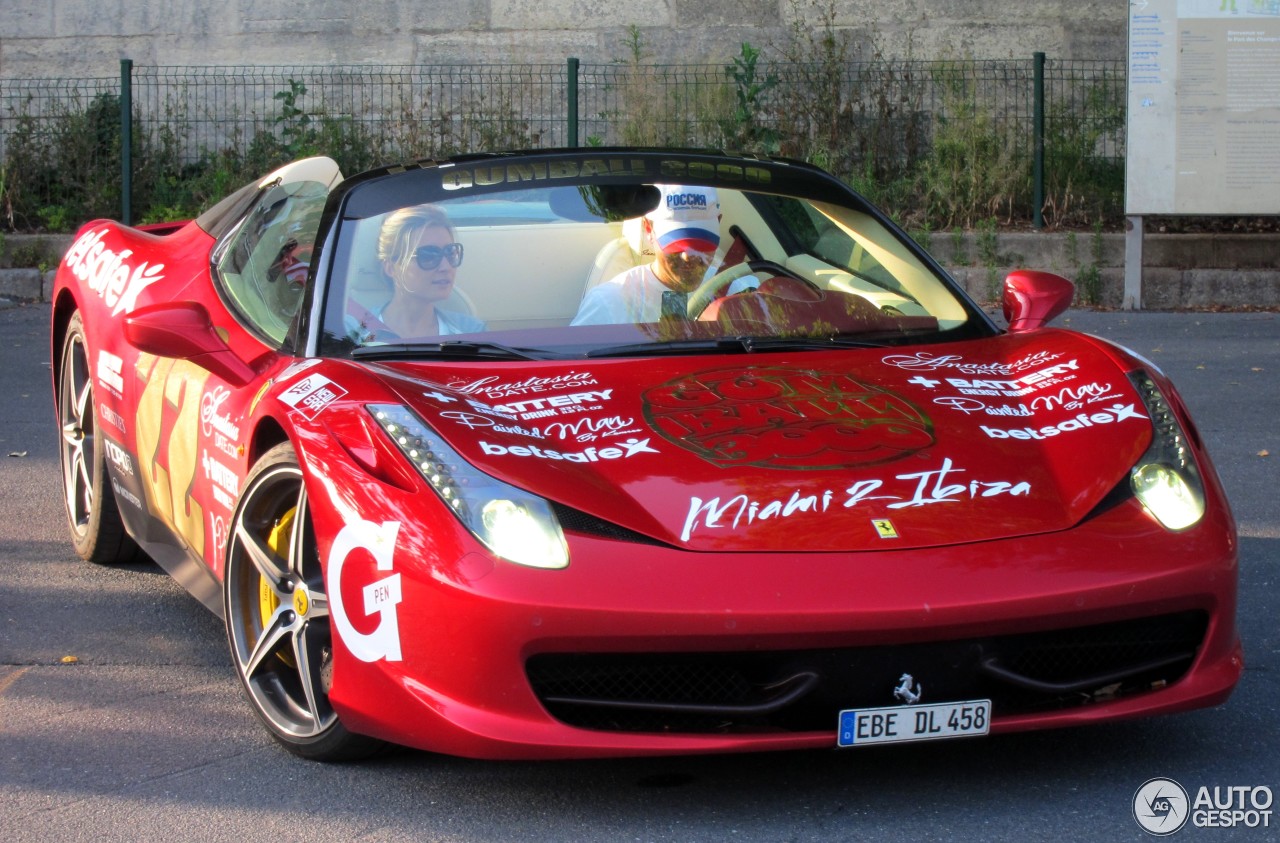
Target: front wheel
{"type": "Point", "coordinates": [277, 614]}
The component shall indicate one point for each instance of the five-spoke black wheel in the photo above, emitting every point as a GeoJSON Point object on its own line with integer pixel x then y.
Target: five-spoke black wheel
{"type": "Point", "coordinates": [277, 614]}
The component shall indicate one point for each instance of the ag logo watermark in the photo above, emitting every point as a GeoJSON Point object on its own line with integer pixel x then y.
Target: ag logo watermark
{"type": "Point", "coordinates": [1162, 806]}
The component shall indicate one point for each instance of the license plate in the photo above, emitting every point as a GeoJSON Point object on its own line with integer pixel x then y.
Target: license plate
{"type": "Point", "coordinates": [906, 723]}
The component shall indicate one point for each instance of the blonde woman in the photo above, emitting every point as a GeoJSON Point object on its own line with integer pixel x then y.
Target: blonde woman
{"type": "Point", "coordinates": [420, 255]}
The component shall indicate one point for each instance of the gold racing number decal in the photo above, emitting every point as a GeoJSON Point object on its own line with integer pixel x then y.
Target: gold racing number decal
{"type": "Point", "coordinates": [167, 426]}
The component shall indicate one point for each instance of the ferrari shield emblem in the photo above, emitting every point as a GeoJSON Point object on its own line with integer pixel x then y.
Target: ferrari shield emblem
{"type": "Point", "coordinates": [884, 528]}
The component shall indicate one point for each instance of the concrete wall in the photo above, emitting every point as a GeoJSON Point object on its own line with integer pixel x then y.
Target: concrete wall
{"type": "Point", "coordinates": [1181, 271]}
{"type": "Point", "coordinates": [80, 38]}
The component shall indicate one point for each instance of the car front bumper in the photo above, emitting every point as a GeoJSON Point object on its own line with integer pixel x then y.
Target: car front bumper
{"type": "Point", "coordinates": [629, 631]}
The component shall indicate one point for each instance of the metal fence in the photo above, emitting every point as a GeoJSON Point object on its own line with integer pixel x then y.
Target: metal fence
{"type": "Point", "coordinates": [400, 111]}
{"type": "Point", "coordinates": [866, 120]}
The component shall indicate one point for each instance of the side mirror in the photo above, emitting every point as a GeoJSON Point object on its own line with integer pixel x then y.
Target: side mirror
{"type": "Point", "coordinates": [184, 331]}
{"type": "Point", "coordinates": [1031, 299]}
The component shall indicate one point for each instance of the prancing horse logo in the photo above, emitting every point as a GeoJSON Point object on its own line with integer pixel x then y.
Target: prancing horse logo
{"type": "Point", "coordinates": [903, 691]}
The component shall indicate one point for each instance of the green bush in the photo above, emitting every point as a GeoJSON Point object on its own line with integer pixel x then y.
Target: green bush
{"type": "Point", "coordinates": [57, 170]}
{"type": "Point", "coordinates": [1083, 185]}
{"type": "Point", "coordinates": [977, 167]}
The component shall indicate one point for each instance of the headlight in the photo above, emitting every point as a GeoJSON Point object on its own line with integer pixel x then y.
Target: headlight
{"type": "Point", "coordinates": [1166, 480]}
{"type": "Point", "coordinates": [516, 525]}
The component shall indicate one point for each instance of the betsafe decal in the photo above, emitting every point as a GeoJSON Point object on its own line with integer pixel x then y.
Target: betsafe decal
{"type": "Point", "coordinates": [109, 273]}
{"type": "Point", "coordinates": [789, 419]}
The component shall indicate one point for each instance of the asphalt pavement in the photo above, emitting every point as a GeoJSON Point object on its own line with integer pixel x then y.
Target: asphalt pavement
{"type": "Point", "coordinates": [121, 718]}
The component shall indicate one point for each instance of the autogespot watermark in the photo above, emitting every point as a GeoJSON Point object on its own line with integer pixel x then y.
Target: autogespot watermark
{"type": "Point", "coordinates": [1162, 806]}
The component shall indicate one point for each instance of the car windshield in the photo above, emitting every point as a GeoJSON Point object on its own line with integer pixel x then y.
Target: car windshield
{"type": "Point", "coordinates": [461, 260]}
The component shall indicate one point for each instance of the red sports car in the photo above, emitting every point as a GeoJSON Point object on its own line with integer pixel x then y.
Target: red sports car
{"type": "Point", "coordinates": [615, 452]}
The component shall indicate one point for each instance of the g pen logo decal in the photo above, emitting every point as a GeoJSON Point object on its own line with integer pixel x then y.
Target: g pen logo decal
{"type": "Point", "coordinates": [380, 598]}
{"type": "Point", "coordinates": [790, 419]}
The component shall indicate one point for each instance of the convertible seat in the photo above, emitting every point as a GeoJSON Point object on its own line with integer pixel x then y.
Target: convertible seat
{"type": "Point", "coordinates": [616, 257]}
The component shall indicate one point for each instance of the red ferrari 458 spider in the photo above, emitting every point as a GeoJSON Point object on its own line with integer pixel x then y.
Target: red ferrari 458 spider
{"type": "Point", "coordinates": [604, 452]}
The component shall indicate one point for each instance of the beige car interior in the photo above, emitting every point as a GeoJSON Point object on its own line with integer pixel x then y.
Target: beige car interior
{"type": "Point", "coordinates": [534, 275]}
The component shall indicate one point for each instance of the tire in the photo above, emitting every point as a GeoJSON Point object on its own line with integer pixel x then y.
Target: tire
{"type": "Point", "coordinates": [93, 515]}
{"type": "Point", "coordinates": [277, 614]}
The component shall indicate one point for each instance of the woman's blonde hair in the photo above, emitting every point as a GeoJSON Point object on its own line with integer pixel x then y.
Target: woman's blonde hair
{"type": "Point", "coordinates": [401, 227]}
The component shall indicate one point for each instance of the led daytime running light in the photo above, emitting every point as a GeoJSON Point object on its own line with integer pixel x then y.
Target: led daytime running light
{"type": "Point", "coordinates": [516, 525]}
{"type": "Point", "coordinates": [1166, 480]}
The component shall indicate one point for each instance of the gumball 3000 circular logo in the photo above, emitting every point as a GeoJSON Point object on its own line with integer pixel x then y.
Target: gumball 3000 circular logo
{"type": "Point", "coordinates": [786, 419]}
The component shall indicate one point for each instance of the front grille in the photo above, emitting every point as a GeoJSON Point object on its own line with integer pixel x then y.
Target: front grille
{"type": "Point", "coordinates": [804, 690]}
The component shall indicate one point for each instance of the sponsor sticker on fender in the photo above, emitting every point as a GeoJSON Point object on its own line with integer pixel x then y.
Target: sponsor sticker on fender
{"type": "Point", "coordinates": [124, 493]}
{"type": "Point", "coordinates": [111, 417]}
{"type": "Point", "coordinates": [312, 394]}
{"type": "Point", "coordinates": [111, 373]}
{"type": "Point", "coordinates": [118, 456]}
{"type": "Point", "coordinates": [215, 424]}
{"type": "Point", "coordinates": [224, 484]}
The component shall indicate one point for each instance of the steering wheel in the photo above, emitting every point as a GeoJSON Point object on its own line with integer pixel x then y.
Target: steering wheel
{"type": "Point", "coordinates": [707, 291]}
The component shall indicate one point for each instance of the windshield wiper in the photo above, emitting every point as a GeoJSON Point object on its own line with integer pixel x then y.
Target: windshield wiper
{"type": "Point", "coordinates": [718, 345]}
{"type": "Point", "coordinates": [809, 343]}
{"type": "Point", "coordinates": [467, 349]}
{"type": "Point", "coordinates": [730, 345]}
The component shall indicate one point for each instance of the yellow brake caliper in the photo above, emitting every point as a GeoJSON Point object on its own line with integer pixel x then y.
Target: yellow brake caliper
{"type": "Point", "coordinates": [279, 543]}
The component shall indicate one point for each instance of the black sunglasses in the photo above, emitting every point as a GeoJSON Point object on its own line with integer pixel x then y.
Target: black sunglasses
{"type": "Point", "coordinates": [429, 257]}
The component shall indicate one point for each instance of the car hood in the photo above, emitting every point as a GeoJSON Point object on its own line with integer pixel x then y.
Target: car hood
{"type": "Point", "coordinates": [882, 448]}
